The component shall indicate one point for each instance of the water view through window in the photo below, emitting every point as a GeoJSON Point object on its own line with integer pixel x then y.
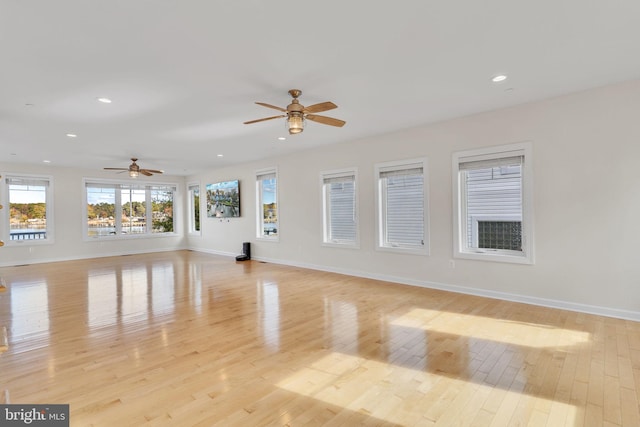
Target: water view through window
{"type": "Point", "coordinates": [120, 209]}
{"type": "Point", "coordinates": [27, 208]}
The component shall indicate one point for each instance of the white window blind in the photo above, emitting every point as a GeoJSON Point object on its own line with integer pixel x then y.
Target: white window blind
{"type": "Point", "coordinates": [402, 197]}
{"type": "Point", "coordinates": [490, 163]}
{"type": "Point", "coordinates": [27, 182]}
{"type": "Point", "coordinates": [265, 175]}
{"type": "Point", "coordinates": [171, 188]}
{"type": "Point", "coordinates": [340, 200]}
{"type": "Point", "coordinates": [154, 187]}
{"type": "Point", "coordinates": [493, 202]}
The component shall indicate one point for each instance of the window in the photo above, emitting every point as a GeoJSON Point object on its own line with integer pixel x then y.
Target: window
{"type": "Point", "coordinates": [30, 213]}
{"type": "Point", "coordinates": [124, 209]}
{"type": "Point", "coordinates": [402, 206]}
{"type": "Point", "coordinates": [493, 207]}
{"type": "Point", "coordinates": [340, 215]}
{"type": "Point", "coordinates": [161, 208]}
{"type": "Point", "coordinates": [267, 204]}
{"type": "Point", "coordinates": [133, 209]}
{"type": "Point", "coordinates": [194, 208]}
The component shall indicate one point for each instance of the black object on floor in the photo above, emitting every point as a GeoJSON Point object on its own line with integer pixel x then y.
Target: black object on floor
{"type": "Point", "coordinates": [246, 252]}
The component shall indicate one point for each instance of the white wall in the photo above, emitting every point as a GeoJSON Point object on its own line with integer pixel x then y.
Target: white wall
{"type": "Point", "coordinates": [587, 205]}
{"type": "Point", "coordinates": [586, 193]}
{"type": "Point", "coordinates": [68, 219]}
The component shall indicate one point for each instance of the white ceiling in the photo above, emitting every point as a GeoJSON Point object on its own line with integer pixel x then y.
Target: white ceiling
{"type": "Point", "coordinates": [184, 75]}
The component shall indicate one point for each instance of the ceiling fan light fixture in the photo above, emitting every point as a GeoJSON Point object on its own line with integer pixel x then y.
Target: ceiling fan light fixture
{"type": "Point", "coordinates": [297, 114]}
{"type": "Point", "coordinates": [295, 123]}
{"type": "Point", "coordinates": [135, 170]}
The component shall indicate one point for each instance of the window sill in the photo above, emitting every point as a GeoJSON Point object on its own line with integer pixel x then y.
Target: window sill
{"type": "Point", "coordinates": [495, 256]}
{"type": "Point", "coordinates": [349, 245]}
{"type": "Point", "coordinates": [28, 242]}
{"type": "Point", "coordinates": [119, 237]}
{"type": "Point", "coordinates": [423, 251]}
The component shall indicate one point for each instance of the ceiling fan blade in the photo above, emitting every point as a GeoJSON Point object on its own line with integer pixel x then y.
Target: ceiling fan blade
{"type": "Point", "coordinates": [151, 170]}
{"type": "Point", "coordinates": [145, 172]}
{"type": "Point", "coordinates": [326, 120]}
{"type": "Point", "coordinates": [284, 110]}
{"type": "Point", "coordinates": [319, 108]}
{"type": "Point", "coordinates": [116, 169]}
{"type": "Point", "coordinates": [262, 120]}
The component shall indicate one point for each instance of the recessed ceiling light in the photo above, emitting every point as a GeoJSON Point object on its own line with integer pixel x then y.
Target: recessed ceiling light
{"type": "Point", "coordinates": [499, 78]}
{"type": "Point", "coordinates": [104, 100]}
{"type": "Point", "coordinates": [281, 138]}
{"type": "Point", "coordinates": [46, 161]}
{"type": "Point", "coordinates": [72, 135]}
{"type": "Point", "coordinates": [220, 155]}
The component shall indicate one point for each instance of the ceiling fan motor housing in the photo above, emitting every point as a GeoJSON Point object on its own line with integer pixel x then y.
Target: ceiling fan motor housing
{"type": "Point", "coordinates": [297, 113]}
{"type": "Point", "coordinates": [295, 107]}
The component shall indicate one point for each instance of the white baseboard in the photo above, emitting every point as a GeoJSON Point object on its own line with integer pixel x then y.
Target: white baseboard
{"type": "Point", "coordinates": [214, 252]}
{"type": "Point", "coordinates": [525, 299]}
{"type": "Point", "coordinates": [88, 256]}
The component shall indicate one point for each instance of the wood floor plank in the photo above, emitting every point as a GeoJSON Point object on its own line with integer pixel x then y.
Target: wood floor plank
{"type": "Point", "coordinates": [191, 339]}
{"type": "Point", "coordinates": [629, 407]}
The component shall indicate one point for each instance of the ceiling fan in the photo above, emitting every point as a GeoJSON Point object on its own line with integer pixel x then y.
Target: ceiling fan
{"type": "Point", "coordinates": [135, 170]}
{"type": "Point", "coordinates": [297, 113]}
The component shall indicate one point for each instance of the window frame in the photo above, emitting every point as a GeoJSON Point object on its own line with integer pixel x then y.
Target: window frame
{"type": "Point", "coordinates": [259, 205]}
{"type": "Point", "coordinates": [380, 199]}
{"type": "Point", "coordinates": [326, 217]}
{"type": "Point", "coordinates": [192, 209]}
{"type": "Point", "coordinates": [148, 187]}
{"type": "Point", "coordinates": [5, 201]}
{"type": "Point", "coordinates": [460, 227]}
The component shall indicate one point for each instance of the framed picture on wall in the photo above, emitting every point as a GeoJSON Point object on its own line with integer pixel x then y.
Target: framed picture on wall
{"type": "Point", "coordinates": [223, 199]}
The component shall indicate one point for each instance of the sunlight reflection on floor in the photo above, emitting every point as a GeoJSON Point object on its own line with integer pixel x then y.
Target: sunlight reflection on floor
{"type": "Point", "coordinates": [374, 388]}
{"type": "Point", "coordinates": [486, 328]}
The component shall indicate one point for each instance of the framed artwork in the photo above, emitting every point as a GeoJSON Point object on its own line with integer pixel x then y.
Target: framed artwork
{"type": "Point", "coordinates": [223, 199]}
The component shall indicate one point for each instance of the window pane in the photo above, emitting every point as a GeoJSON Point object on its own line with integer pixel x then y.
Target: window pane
{"type": "Point", "coordinates": [493, 203]}
{"type": "Point", "coordinates": [268, 192]}
{"type": "Point", "coordinates": [194, 197]}
{"type": "Point", "coordinates": [403, 199]}
{"type": "Point", "coordinates": [342, 211]}
{"type": "Point", "coordinates": [101, 211]}
{"type": "Point", "coordinates": [162, 211]}
{"type": "Point", "coordinates": [27, 211]}
{"type": "Point", "coordinates": [494, 196]}
{"type": "Point", "coordinates": [126, 209]}
{"type": "Point", "coordinates": [133, 212]}
{"type": "Point", "coordinates": [500, 235]}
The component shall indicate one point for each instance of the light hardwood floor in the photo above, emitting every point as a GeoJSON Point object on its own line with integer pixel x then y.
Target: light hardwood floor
{"type": "Point", "coordinates": [192, 339]}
